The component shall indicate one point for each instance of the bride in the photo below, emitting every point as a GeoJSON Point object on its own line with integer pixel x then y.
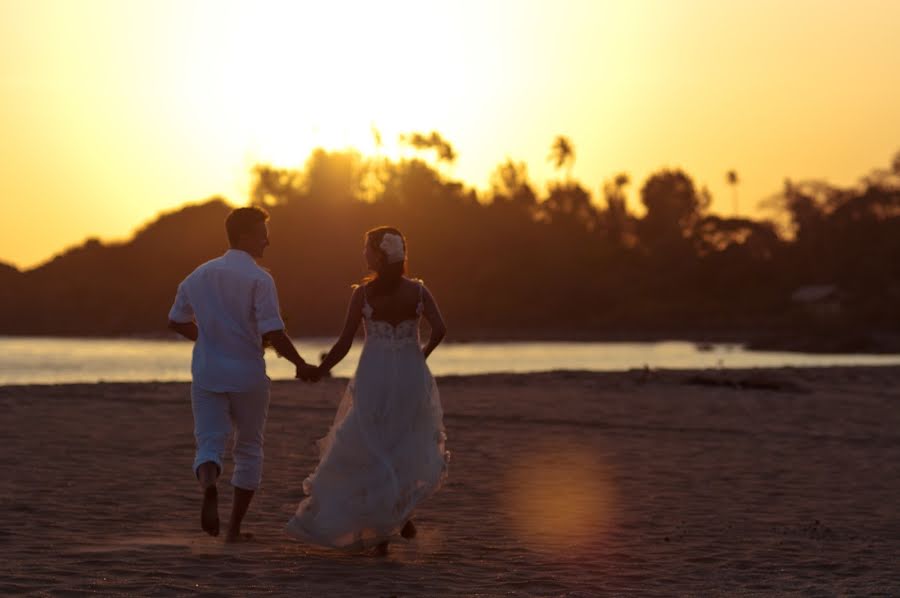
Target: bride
{"type": "Point", "coordinates": [384, 453]}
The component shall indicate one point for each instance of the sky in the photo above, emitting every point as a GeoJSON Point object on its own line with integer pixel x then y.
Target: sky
{"type": "Point", "coordinates": [113, 111]}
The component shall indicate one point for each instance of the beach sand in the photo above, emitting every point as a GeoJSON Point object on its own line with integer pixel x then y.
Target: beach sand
{"type": "Point", "coordinates": [561, 484]}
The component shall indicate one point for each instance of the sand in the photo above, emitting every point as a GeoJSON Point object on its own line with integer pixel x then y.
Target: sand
{"type": "Point", "coordinates": [561, 484]}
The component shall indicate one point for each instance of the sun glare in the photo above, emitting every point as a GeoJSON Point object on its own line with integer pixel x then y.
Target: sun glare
{"type": "Point", "coordinates": [292, 77]}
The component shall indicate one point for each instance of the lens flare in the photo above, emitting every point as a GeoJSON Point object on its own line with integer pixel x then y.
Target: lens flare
{"type": "Point", "coordinates": [561, 498]}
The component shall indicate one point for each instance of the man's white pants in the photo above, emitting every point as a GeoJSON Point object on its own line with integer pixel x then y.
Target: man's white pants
{"type": "Point", "coordinates": [214, 415]}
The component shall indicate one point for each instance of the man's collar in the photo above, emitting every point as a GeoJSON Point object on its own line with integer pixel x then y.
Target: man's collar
{"type": "Point", "coordinates": [240, 254]}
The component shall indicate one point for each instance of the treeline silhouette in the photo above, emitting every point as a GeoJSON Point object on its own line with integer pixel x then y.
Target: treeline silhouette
{"type": "Point", "coordinates": [514, 262]}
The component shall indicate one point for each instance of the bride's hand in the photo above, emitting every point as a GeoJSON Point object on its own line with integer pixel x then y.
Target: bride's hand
{"type": "Point", "coordinates": [308, 373]}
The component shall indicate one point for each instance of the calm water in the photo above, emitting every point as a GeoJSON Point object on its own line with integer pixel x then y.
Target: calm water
{"type": "Point", "coordinates": [63, 360]}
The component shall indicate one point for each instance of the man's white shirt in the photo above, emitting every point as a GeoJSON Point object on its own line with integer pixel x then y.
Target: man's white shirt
{"type": "Point", "coordinates": [234, 303]}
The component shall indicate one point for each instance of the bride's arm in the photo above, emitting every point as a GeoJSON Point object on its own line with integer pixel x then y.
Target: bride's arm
{"type": "Point", "coordinates": [436, 321]}
{"type": "Point", "coordinates": [343, 344]}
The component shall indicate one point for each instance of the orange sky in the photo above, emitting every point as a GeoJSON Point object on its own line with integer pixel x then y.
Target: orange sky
{"type": "Point", "coordinates": [111, 111]}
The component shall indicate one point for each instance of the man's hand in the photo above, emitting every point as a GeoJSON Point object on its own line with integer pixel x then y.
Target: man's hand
{"type": "Point", "coordinates": [186, 329]}
{"type": "Point", "coordinates": [308, 373]}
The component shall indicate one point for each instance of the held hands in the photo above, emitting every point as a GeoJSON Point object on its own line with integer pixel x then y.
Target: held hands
{"type": "Point", "coordinates": [309, 373]}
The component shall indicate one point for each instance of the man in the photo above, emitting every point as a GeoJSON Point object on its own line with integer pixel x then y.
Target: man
{"type": "Point", "coordinates": [229, 307]}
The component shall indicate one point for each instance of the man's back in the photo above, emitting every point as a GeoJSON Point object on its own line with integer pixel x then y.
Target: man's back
{"type": "Point", "coordinates": [234, 303]}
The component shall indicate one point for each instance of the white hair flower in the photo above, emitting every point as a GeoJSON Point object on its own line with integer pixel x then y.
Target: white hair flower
{"type": "Point", "coordinates": [392, 246]}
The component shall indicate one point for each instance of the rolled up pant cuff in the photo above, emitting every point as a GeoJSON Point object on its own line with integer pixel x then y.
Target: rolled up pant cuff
{"type": "Point", "coordinates": [200, 460]}
{"type": "Point", "coordinates": [245, 482]}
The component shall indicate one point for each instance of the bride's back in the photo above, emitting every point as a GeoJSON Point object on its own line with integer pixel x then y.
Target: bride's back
{"type": "Point", "coordinates": [396, 305]}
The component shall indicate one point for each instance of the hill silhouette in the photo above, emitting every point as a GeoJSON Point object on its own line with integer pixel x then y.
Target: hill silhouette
{"type": "Point", "coordinates": [512, 264]}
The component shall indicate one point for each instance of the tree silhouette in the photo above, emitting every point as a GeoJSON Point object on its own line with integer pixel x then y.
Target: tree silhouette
{"type": "Point", "coordinates": [616, 219]}
{"type": "Point", "coordinates": [673, 208]}
{"type": "Point", "coordinates": [521, 264]}
{"type": "Point", "coordinates": [434, 142]}
{"type": "Point", "coordinates": [755, 240]}
{"type": "Point", "coordinates": [274, 186]}
{"type": "Point", "coordinates": [509, 183]}
{"type": "Point", "coordinates": [731, 177]}
{"type": "Point", "coordinates": [335, 176]}
{"type": "Point", "coordinates": [377, 139]}
{"type": "Point", "coordinates": [562, 155]}
{"type": "Point", "coordinates": [568, 204]}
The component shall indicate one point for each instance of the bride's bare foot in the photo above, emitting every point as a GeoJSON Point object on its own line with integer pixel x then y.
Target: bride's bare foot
{"type": "Point", "coordinates": [409, 530]}
{"type": "Point", "coordinates": [209, 512]}
{"type": "Point", "coordinates": [234, 538]}
{"type": "Point", "coordinates": [381, 549]}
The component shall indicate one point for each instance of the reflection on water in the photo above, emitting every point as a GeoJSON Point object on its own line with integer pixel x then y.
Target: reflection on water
{"type": "Point", "coordinates": [26, 360]}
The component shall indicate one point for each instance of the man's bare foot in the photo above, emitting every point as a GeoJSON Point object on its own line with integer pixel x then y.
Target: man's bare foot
{"type": "Point", "coordinates": [381, 549]}
{"type": "Point", "coordinates": [409, 530]}
{"type": "Point", "coordinates": [209, 512]}
{"type": "Point", "coordinates": [238, 537]}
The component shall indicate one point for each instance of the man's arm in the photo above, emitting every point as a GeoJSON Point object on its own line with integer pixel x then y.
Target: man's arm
{"type": "Point", "coordinates": [268, 319]}
{"type": "Point", "coordinates": [186, 329]}
{"type": "Point", "coordinates": [181, 316]}
{"type": "Point", "coordinates": [283, 345]}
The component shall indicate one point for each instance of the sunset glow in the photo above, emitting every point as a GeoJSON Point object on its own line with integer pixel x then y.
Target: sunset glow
{"type": "Point", "coordinates": [113, 111]}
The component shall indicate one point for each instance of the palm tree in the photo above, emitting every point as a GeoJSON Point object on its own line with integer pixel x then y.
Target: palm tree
{"type": "Point", "coordinates": [616, 213]}
{"type": "Point", "coordinates": [562, 154]}
{"type": "Point", "coordinates": [376, 138]}
{"type": "Point", "coordinates": [731, 177]}
{"type": "Point", "coordinates": [435, 142]}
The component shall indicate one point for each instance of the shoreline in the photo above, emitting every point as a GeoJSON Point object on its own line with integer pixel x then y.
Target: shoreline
{"type": "Point", "coordinates": [734, 377]}
{"type": "Point", "coordinates": [873, 342]}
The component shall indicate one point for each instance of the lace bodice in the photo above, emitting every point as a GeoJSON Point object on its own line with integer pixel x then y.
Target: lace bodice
{"type": "Point", "coordinates": [404, 332]}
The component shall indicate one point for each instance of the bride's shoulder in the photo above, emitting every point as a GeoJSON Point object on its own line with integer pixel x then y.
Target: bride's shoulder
{"type": "Point", "coordinates": [412, 286]}
{"type": "Point", "coordinates": [357, 291]}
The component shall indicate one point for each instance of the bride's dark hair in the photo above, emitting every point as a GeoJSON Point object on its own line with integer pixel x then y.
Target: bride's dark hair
{"type": "Point", "coordinates": [388, 276]}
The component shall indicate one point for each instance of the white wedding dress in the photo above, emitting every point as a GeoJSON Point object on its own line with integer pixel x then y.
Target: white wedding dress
{"type": "Point", "coordinates": [385, 451]}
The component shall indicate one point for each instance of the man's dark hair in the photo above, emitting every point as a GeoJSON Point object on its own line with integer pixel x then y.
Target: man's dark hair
{"type": "Point", "coordinates": [241, 221]}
